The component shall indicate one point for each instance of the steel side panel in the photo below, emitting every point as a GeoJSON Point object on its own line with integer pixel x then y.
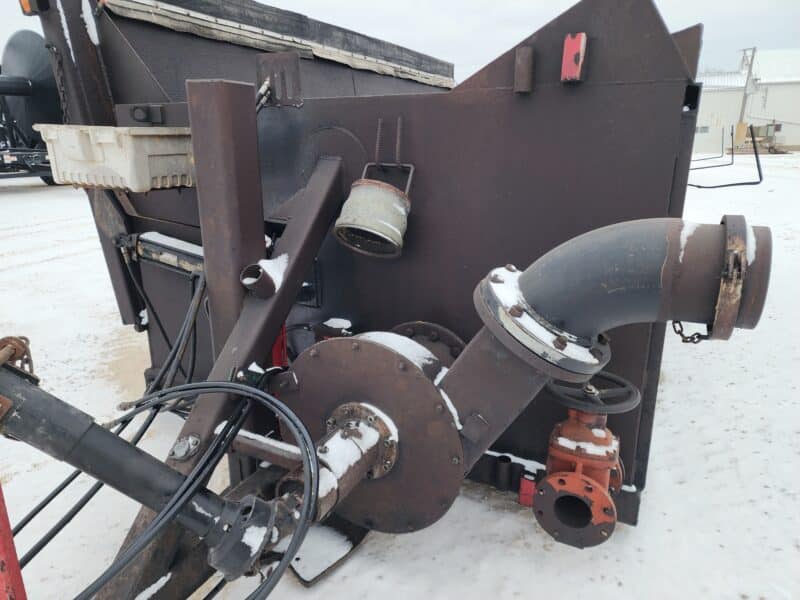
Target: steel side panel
{"type": "Point", "coordinates": [529, 173]}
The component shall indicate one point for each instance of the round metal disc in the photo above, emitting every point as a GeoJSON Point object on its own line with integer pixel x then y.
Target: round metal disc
{"type": "Point", "coordinates": [427, 476]}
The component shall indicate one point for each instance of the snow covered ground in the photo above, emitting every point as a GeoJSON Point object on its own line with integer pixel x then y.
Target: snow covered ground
{"type": "Point", "coordinates": [719, 517]}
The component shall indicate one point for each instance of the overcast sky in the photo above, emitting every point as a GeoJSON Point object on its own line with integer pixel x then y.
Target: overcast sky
{"type": "Point", "coordinates": [470, 33]}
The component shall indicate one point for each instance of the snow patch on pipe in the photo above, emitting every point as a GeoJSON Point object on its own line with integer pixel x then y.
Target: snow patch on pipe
{"type": "Point", "coordinates": [275, 268]}
{"type": "Point", "coordinates": [751, 245]}
{"type": "Point", "coordinates": [686, 232]}
{"type": "Point", "coordinates": [413, 351]}
{"type": "Point", "coordinates": [588, 447]}
{"type": "Point", "coordinates": [337, 323]}
{"type": "Point", "coordinates": [394, 434]}
{"type": "Point", "coordinates": [452, 408]}
{"type": "Point", "coordinates": [327, 482]}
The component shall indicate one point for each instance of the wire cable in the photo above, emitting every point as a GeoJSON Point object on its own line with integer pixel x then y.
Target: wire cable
{"type": "Point", "coordinates": [167, 373]}
{"type": "Point", "coordinates": [206, 465]}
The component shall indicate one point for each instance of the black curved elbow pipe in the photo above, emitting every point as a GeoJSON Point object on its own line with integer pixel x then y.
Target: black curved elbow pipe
{"type": "Point", "coordinates": [645, 271]}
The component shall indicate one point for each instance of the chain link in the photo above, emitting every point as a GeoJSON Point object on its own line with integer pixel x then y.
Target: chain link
{"type": "Point", "coordinates": [694, 338]}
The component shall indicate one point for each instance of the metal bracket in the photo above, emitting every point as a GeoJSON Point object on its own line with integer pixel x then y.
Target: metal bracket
{"type": "Point", "coordinates": [733, 273]}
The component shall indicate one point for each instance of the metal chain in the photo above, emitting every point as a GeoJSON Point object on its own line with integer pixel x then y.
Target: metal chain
{"type": "Point", "coordinates": [694, 338]}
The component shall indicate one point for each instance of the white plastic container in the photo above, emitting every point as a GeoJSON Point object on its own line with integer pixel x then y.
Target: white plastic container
{"type": "Point", "coordinates": [138, 159]}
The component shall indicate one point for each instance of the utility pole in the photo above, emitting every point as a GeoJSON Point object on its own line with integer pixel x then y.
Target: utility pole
{"type": "Point", "coordinates": [749, 62]}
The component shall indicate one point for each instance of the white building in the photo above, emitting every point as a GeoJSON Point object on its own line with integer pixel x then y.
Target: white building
{"type": "Point", "coordinates": [773, 95]}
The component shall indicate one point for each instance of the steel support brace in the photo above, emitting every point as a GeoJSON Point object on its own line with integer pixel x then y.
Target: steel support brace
{"type": "Point", "coordinates": [11, 585]}
{"type": "Point", "coordinates": [309, 217]}
{"type": "Point", "coordinates": [223, 120]}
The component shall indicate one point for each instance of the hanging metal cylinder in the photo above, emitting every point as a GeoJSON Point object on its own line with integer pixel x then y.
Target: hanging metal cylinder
{"type": "Point", "coordinates": [374, 218]}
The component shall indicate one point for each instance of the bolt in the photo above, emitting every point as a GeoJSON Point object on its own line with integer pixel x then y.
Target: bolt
{"type": "Point", "coordinates": [387, 465]}
{"type": "Point", "coordinates": [439, 408]}
{"type": "Point", "coordinates": [370, 474]}
{"type": "Point", "coordinates": [515, 311]}
{"type": "Point", "coordinates": [387, 443]}
{"type": "Point", "coordinates": [323, 450]}
{"type": "Point", "coordinates": [607, 510]}
{"type": "Point", "coordinates": [401, 365]}
{"type": "Point", "coordinates": [560, 342]}
{"type": "Point", "coordinates": [455, 460]}
{"type": "Point", "coordinates": [433, 336]}
{"type": "Point", "coordinates": [314, 353]}
{"type": "Point", "coordinates": [330, 423]}
{"type": "Point", "coordinates": [603, 339]}
{"type": "Point", "coordinates": [355, 346]}
{"type": "Point", "coordinates": [511, 268]}
{"type": "Point", "coordinates": [495, 278]}
{"type": "Point", "coordinates": [370, 419]}
{"type": "Point", "coordinates": [240, 376]}
{"type": "Point", "coordinates": [283, 384]}
{"type": "Point", "coordinates": [185, 447]}
{"type": "Point", "coordinates": [590, 389]}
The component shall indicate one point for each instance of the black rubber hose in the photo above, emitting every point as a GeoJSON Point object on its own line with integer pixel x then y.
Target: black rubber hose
{"type": "Point", "coordinates": [645, 271]}
{"type": "Point", "coordinates": [174, 355]}
{"type": "Point", "coordinates": [310, 476]}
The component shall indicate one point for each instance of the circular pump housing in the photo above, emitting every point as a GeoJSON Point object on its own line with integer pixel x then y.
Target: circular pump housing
{"type": "Point", "coordinates": [373, 219]}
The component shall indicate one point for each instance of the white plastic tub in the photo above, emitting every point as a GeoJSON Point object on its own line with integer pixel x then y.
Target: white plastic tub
{"type": "Point", "coordinates": [138, 159]}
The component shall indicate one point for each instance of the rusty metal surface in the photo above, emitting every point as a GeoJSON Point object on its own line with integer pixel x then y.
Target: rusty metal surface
{"type": "Point", "coordinates": [574, 509]}
{"type": "Point", "coordinates": [5, 406]}
{"type": "Point", "coordinates": [11, 585]}
{"type": "Point", "coordinates": [573, 503]}
{"type": "Point", "coordinates": [228, 191]}
{"type": "Point", "coordinates": [429, 458]}
{"type": "Point", "coordinates": [345, 415]}
{"type": "Point", "coordinates": [732, 278]}
{"type": "Point", "coordinates": [471, 384]}
{"type": "Point", "coordinates": [444, 344]}
{"type": "Point", "coordinates": [16, 351]}
{"type": "Point", "coordinates": [251, 340]}
{"type": "Point", "coordinates": [527, 144]}
{"type": "Point", "coordinates": [619, 193]}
